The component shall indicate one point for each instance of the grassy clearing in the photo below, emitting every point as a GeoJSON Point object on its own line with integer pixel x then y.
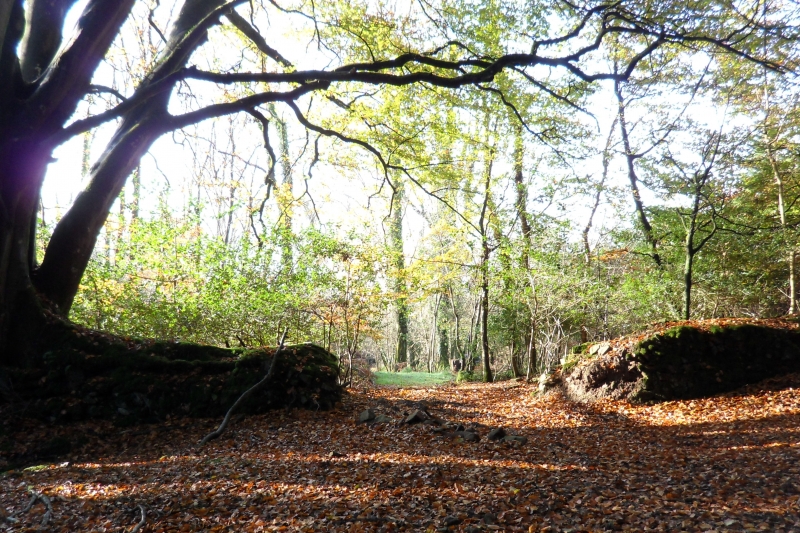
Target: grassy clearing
{"type": "Point", "coordinates": [412, 379]}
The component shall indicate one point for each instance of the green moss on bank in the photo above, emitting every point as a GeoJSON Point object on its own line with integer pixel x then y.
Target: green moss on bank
{"type": "Point", "coordinates": [687, 362]}
{"type": "Point", "coordinates": [87, 374]}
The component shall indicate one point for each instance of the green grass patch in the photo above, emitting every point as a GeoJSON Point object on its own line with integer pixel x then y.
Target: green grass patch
{"type": "Point", "coordinates": [412, 379]}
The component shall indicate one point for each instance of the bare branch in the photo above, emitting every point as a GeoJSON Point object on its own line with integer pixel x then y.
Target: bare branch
{"type": "Point", "coordinates": [97, 89]}
{"type": "Point", "coordinates": [251, 33]}
{"type": "Point", "coordinates": [269, 180]}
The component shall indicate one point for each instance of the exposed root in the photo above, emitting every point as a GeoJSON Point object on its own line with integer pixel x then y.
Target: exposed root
{"type": "Point", "coordinates": [138, 527]}
{"type": "Point", "coordinates": [35, 496]}
{"type": "Point", "coordinates": [221, 429]}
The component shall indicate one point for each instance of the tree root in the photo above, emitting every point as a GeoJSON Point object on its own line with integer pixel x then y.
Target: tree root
{"type": "Point", "coordinates": [221, 429]}
{"type": "Point", "coordinates": [36, 496]}
{"type": "Point", "coordinates": [138, 527]}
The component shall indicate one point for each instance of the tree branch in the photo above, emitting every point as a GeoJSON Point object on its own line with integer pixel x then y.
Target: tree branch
{"type": "Point", "coordinates": [251, 33]}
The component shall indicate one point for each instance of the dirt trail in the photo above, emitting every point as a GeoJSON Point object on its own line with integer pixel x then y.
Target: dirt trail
{"type": "Point", "coordinates": [729, 463]}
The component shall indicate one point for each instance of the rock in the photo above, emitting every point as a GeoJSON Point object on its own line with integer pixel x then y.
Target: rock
{"type": "Point", "coordinates": [516, 439]}
{"type": "Point", "coordinates": [603, 348]}
{"type": "Point", "coordinates": [548, 381]}
{"type": "Point", "coordinates": [451, 520]}
{"type": "Point", "coordinates": [416, 417]}
{"type": "Point", "coordinates": [366, 416]}
{"type": "Point", "coordinates": [382, 419]}
{"type": "Point", "coordinates": [468, 436]}
{"type": "Point", "coordinates": [496, 434]}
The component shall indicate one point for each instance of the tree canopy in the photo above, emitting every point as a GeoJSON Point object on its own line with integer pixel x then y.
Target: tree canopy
{"type": "Point", "coordinates": [435, 92]}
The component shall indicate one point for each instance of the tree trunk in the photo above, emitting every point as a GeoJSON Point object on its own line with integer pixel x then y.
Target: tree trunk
{"type": "Point", "coordinates": [522, 213]}
{"type": "Point", "coordinates": [21, 315]}
{"type": "Point", "coordinates": [532, 356]}
{"type": "Point", "coordinates": [687, 282]}
{"type": "Point", "coordinates": [73, 239]}
{"type": "Point", "coordinates": [487, 363]}
{"type": "Point", "coordinates": [396, 235]}
{"type": "Point", "coordinates": [285, 196]}
{"type": "Point", "coordinates": [31, 116]}
{"type": "Point", "coordinates": [483, 226]}
{"type": "Point", "coordinates": [630, 158]}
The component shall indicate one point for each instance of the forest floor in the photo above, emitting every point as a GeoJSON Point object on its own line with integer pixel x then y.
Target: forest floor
{"type": "Point", "coordinates": [728, 463]}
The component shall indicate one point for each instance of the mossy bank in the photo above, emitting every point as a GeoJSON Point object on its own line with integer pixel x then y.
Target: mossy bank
{"type": "Point", "coordinates": [84, 374]}
{"type": "Point", "coordinates": [687, 360]}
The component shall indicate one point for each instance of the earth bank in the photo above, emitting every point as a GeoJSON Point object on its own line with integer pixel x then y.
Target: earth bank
{"type": "Point", "coordinates": [680, 360]}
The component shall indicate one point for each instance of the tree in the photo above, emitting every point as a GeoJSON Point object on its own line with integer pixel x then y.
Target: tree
{"type": "Point", "coordinates": [44, 77]}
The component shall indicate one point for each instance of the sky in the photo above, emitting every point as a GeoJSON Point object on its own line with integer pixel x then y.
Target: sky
{"type": "Point", "coordinates": [171, 164]}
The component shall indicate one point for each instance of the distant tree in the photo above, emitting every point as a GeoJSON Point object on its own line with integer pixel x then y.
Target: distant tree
{"type": "Point", "coordinates": [45, 76]}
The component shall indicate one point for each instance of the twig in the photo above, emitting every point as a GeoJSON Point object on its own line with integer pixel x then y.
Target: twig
{"type": "Point", "coordinates": [246, 394]}
{"type": "Point", "coordinates": [140, 525]}
{"type": "Point", "coordinates": [47, 503]}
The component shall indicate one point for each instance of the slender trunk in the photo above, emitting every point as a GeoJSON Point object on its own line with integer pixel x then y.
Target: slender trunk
{"type": "Point", "coordinates": [598, 193]}
{"type": "Point", "coordinates": [483, 226]}
{"type": "Point", "coordinates": [782, 215]}
{"type": "Point", "coordinates": [687, 282]}
{"type": "Point", "coordinates": [137, 193]}
{"type": "Point", "coordinates": [532, 356]}
{"type": "Point", "coordinates": [487, 364]}
{"type": "Point", "coordinates": [456, 333]}
{"type": "Point", "coordinates": [434, 331]}
{"type": "Point", "coordinates": [471, 339]}
{"type": "Point", "coordinates": [396, 237]}
{"type": "Point", "coordinates": [285, 195]}
{"type": "Point", "coordinates": [522, 213]}
{"type": "Point", "coordinates": [630, 159]}
{"type": "Point", "coordinates": [444, 348]}
{"type": "Point", "coordinates": [231, 190]}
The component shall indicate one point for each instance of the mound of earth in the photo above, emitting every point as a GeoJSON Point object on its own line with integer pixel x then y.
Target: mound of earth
{"type": "Point", "coordinates": [681, 360]}
{"type": "Point", "coordinates": [87, 374]}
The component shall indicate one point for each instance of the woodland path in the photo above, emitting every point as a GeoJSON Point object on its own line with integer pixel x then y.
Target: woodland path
{"type": "Point", "coordinates": [729, 463]}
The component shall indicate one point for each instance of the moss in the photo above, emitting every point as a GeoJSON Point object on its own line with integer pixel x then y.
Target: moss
{"type": "Point", "coordinates": [131, 380]}
{"type": "Point", "coordinates": [581, 348]}
{"type": "Point", "coordinates": [686, 362]}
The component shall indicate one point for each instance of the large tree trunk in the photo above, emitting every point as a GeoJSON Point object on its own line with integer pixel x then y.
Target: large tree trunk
{"type": "Point", "coordinates": [396, 236]}
{"type": "Point", "coordinates": [74, 237]}
{"type": "Point", "coordinates": [21, 175]}
{"type": "Point", "coordinates": [33, 109]}
{"type": "Point", "coordinates": [73, 240]}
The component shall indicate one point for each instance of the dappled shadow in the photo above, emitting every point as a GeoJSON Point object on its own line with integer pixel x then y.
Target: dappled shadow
{"type": "Point", "coordinates": [600, 469]}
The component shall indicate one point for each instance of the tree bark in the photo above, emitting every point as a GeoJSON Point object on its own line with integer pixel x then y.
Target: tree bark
{"type": "Point", "coordinates": [74, 238]}
{"type": "Point", "coordinates": [522, 213]}
{"type": "Point", "coordinates": [396, 237]}
{"type": "Point", "coordinates": [31, 115]}
{"type": "Point", "coordinates": [630, 159]}
{"type": "Point", "coordinates": [483, 227]}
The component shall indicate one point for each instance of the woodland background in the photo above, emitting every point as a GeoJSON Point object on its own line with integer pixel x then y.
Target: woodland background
{"type": "Point", "coordinates": [513, 220]}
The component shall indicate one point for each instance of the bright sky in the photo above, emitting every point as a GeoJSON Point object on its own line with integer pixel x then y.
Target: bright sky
{"type": "Point", "coordinates": [172, 165]}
